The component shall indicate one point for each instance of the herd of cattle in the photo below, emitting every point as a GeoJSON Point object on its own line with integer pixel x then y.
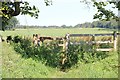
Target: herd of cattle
{"type": "Point", "coordinates": [36, 39]}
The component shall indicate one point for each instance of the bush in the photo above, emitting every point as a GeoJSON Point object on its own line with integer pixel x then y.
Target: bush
{"type": "Point", "coordinates": [86, 53]}
{"type": "Point", "coordinates": [13, 29]}
{"type": "Point", "coordinates": [48, 54]}
{"type": "Point", "coordinates": [17, 39]}
{"type": "Point", "coordinates": [51, 54]}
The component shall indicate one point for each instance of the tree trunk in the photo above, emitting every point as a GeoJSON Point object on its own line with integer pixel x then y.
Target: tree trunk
{"type": "Point", "coordinates": [17, 9]}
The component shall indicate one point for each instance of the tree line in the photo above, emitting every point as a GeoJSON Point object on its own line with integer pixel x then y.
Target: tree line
{"type": "Point", "coordinates": [112, 24]}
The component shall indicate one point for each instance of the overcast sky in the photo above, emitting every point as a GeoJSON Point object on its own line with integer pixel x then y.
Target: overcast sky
{"type": "Point", "coordinates": [68, 12]}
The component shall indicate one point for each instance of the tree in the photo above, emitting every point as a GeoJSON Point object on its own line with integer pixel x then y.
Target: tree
{"type": "Point", "coordinates": [114, 24]}
{"type": "Point", "coordinates": [63, 26]}
{"type": "Point", "coordinates": [10, 9]}
{"type": "Point", "coordinates": [77, 26]}
{"type": "Point", "coordinates": [102, 12]}
{"type": "Point", "coordinates": [12, 23]}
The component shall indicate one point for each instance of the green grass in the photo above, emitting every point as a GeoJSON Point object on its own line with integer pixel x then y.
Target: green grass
{"type": "Point", "coordinates": [54, 32]}
{"type": "Point", "coordinates": [16, 66]}
{"type": "Point", "coordinates": [0, 59]}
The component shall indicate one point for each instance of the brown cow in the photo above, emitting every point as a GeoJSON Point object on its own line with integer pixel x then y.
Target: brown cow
{"type": "Point", "coordinates": [45, 38]}
{"type": "Point", "coordinates": [34, 39]}
{"type": "Point", "coordinates": [37, 39]}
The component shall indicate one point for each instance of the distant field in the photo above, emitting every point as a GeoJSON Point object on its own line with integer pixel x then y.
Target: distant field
{"type": "Point", "coordinates": [54, 32]}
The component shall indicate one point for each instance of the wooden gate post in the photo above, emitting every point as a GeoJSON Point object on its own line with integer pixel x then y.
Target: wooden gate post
{"type": "Point", "coordinates": [93, 41]}
{"type": "Point", "coordinates": [64, 45]}
{"type": "Point", "coordinates": [93, 37]}
{"type": "Point", "coordinates": [115, 40]}
{"type": "Point", "coordinates": [67, 41]}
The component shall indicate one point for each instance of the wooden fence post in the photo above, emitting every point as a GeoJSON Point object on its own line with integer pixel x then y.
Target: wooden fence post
{"type": "Point", "coordinates": [93, 37]}
{"type": "Point", "coordinates": [67, 41]}
{"type": "Point", "coordinates": [64, 44]}
{"type": "Point", "coordinates": [93, 41]}
{"type": "Point", "coordinates": [115, 40]}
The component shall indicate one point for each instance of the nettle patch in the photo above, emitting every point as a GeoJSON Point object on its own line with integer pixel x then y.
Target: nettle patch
{"type": "Point", "coordinates": [52, 55]}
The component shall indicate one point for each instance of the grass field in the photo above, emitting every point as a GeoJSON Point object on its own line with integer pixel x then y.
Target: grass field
{"type": "Point", "coordinates": [16, 66]}
{"type": "Point", "coordinates": [54, 32]}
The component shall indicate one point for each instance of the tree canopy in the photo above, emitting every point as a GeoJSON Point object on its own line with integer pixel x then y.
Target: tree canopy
{"type": "Point", "coordinates": [103, 13]}
{"type": "Point", "coordinates": [9, 9]}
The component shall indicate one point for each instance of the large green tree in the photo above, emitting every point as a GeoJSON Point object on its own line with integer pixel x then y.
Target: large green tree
{"type": "Point", "coordinates": [10, 9]}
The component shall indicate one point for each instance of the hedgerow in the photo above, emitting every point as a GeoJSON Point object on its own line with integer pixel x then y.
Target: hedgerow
{"type": "Point", "coordinates": [52, 55]}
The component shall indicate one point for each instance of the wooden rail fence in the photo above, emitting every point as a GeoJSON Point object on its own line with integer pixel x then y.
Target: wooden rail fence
{"type": "Point", "coordinates": [67, 41]}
